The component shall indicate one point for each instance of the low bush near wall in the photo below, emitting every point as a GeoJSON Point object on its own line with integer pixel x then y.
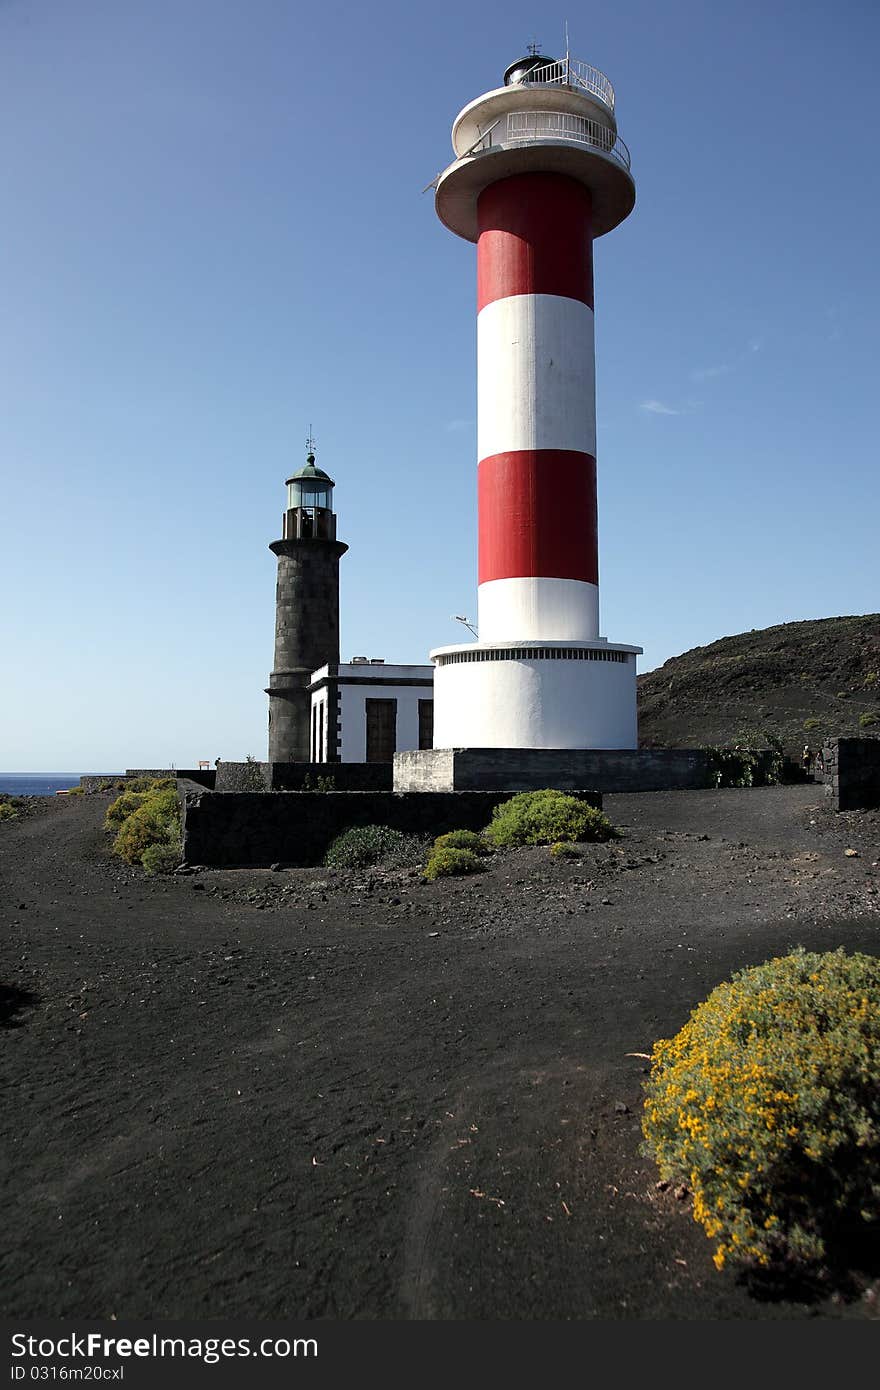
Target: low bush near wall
{"type": "Point", "coordinates": [320, 784]}
{"type": "Point", "coordinates": [145, 819]}
{"type": "Point", "coordinates": [767, 1105]}
{"type": "Point", "coordinates": [545, 817]}
{"type": "Point", "coordinates": [9, 807]}
{"type": "Point", "coordinates": [150, 784]}
{"type": "Point", "coordinates": [744, 767]}
{"type": "Point", "coordinates": [161, 858]}
{"type": "Point", "coordinates": [365, 845]}
{"type": "Point", "coordinates": [120, 809]}
{"type": "Point", "coordinates": [463, 839]}
{"type": "Point", "coordinates": [448, 861]}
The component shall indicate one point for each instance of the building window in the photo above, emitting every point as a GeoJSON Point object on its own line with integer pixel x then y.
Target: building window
{"type": "Point", "coordinates": [426, 723]}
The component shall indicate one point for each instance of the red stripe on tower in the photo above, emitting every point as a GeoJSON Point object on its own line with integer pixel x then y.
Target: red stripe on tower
{"type": "Point", "coordinates": [537, 513]}
{"type": "Point", "coordinates": [535, 238]}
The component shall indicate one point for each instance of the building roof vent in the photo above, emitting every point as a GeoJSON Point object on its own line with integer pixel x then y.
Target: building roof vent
{"type": "Point", "coordinates": [377, 661]}
{"type": "Point", "coordinates": [359, 661]}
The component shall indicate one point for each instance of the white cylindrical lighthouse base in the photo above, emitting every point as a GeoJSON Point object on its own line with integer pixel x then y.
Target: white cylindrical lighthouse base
{"type": "Point", "coordinates": [522, 695]}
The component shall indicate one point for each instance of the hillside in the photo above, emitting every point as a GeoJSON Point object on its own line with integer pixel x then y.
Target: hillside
{"type": "Point", "coordinates": [799, 681]}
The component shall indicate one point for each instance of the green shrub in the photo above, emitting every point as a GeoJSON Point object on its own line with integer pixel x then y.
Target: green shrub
{"type": "Point", "coordinates": [155, 821]}
{"type": "Point", "coordinates": [365, 845]}
{"type": "Point", "coordinates": [448, 861]}
{"type": "Point", "coordinates": [812, 723]}
{"type": "Point", "coordinates": [758, 765]}
{"type": "Point", "coordinates": [120, 809]}
{"type": "Point", "coordinates": [8, 810]}
{"type": "Point", "coordinates": [463, 839]}
{"type": "Point", "coordinates": [543, 817]}
{"type": "Point", "coordinates": [162, 857]}
{"type": "Point", "coordinates": [75, 791]}
{"type": "Point", "coordinates": [871, 678]}
{"type": "Point", "coordinates": [320, 784]}
{"type": "Point", "coordinates": [868, 718]}
{"type": "Point", "coordinates": [563, 850]}
{"type": "Point", "coordinates": [756, 739]}
{"type": "Point", "coordinates": [133, 796]}
{"type": "Point", "coordinates": [767, 1106]}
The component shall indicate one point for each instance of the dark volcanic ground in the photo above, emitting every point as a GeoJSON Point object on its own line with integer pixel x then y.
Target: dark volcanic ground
{"type": "Point", "coordinates": [315, 1095]}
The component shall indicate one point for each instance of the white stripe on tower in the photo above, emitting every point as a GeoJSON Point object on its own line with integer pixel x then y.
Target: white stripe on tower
{"type": "Point", "coordinates": [535, 375]}
{"type": "Point", "coordinates": [536, 412]}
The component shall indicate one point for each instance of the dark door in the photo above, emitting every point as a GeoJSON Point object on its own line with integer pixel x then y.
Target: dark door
{"type": "Point", "coordinates": [426, 723]}
{"type": "Point", "coordinates": [381, 730]}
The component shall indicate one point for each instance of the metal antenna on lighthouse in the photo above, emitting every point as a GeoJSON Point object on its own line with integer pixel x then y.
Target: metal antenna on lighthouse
{"type": "Point", "coordinates": [310, 442]}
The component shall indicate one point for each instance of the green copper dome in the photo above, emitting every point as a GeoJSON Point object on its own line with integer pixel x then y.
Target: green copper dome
{"type": "Point", "coordinates": [310, 471]}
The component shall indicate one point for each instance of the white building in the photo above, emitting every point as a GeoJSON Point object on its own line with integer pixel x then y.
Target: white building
{"type": "Point", "coordinates": [366, 711]}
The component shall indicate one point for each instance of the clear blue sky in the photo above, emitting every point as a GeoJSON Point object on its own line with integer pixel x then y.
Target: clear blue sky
{"type": "Point", "coordinates": [213, 236]}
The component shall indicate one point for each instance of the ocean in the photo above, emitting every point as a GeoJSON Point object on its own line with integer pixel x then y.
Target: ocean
{"type": "Point", "coordinates": [37, 783]}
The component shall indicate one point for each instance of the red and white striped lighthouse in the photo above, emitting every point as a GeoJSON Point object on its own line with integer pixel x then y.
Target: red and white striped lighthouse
{"type": "Point", "coordinates": [540, 171]}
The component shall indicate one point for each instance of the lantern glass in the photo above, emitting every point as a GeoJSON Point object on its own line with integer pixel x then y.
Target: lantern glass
{"type": "Point", "coordinates": [309, 492]}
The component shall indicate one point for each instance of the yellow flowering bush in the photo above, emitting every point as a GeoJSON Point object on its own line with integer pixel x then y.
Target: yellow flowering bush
{"type": "Point", "coordinates": [155, 820]}
{"type": "Point", "coordinates": [120, 809]}
{"type": "Point", "coordinates": [767, 1105]}
{"type": "Point", "coordinates": [543, 818]}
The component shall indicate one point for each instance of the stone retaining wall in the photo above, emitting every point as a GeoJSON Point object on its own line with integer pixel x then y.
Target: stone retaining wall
{"type": "Point", "coordinates": [346, 777]}
{"type": "Point", "coordinates": [566, 769]}
{"type": "Point", "coordinates": [258, 829]}
{"type": "Point", "coordinates": [119, 781]}
{"type": "Point", "coordinates": [852, 773]}
{"type": "Point", "coordinates": [203, 775]}
{"type": "Point", "coordinates": [242, 777]}
{"type": "Point", "coordinates": [290, 777]}
{"type": "Point", "coordinates": [102, 781]}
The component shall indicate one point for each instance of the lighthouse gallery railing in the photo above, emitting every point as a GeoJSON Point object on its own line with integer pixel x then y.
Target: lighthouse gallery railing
{"type": "Point", "coordinates": [571, 72]}
{"type": "Point", "coordinates": [557, 125]}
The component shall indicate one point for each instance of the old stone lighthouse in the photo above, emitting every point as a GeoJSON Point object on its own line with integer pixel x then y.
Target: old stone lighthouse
{"type": "Point", "coordinates": [306, 609]}
{"type": "Point", "coordinates": [322, 710]}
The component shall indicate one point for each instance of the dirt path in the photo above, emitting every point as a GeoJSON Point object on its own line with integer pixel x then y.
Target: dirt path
{"type": "Point", "coordinates": [314, 1095]}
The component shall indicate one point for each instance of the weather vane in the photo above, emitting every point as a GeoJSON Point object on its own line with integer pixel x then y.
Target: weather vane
{"type": "Point", "coordinates": [310, 442]}
{"type": "Point", "coordinates": [534, 49]}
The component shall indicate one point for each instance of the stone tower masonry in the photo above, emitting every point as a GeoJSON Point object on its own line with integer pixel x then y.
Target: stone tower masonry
{"type": "Point", "coordinates": [306, 608]}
